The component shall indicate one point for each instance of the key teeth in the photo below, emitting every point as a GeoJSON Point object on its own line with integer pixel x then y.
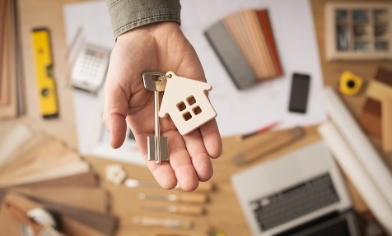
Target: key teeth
{"type": "Point", "coordinates": [164, 149]}
{"type": "Point", "coordinates": [151, 148]}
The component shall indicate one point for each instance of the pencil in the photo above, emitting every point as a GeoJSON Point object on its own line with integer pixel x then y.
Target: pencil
{"type": "Point", "coordinates": [261, 130]}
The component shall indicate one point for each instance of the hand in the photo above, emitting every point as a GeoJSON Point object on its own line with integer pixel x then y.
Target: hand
{"type": "Point", "coordinates": [157, 47]}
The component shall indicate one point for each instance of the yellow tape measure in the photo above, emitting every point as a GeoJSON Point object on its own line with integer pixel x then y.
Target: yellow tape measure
{"type": "Point", "coordinates": [44, 67]}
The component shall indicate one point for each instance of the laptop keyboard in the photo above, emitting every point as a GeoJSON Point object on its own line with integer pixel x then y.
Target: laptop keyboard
{"type": "Point", "coordinates": [294, 202]}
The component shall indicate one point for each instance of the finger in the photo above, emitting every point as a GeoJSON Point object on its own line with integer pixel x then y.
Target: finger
{"type": "Point", "coordinates": [115, 106]}
{"type": "Point", "coordinates": [179, 168]}
{"type": "Point", "coordinates": [198, 153]}
{"type": "Point", "coordinates": [163, 173]}
{"type": "Point", "coordinates": [211, 138]}
{"type": "Point", "coordinates": [180, 162]}
{"type": "Point", "coordinates": [115, 111]}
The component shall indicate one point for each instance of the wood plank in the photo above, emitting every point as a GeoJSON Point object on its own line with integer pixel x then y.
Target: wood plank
{"type": "Point", "coordinates": [71, 227]}
{"type": "Point", "coordinates": [87, 198]}
{"type": "Point", "coordinates": [88, 179]}
{"type": "Point", "coordinates": [386, 110]}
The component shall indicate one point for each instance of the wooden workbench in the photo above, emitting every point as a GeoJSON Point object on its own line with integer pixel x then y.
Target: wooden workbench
{"type": "Point", "coordinates": [223, 210]}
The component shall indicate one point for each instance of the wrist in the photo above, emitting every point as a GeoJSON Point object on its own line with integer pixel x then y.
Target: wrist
{"type": "Point", "coordinates": [153, 30]}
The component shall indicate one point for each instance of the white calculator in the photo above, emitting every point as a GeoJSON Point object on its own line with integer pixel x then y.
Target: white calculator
{"type": "Point", "coordinates": [89, 70]}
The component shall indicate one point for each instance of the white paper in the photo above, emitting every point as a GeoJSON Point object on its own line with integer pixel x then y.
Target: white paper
{"type": "Point", "coordinates": [94, 19]}
{"type": "Point", "coordinates": [246, 111]}
{"type": "Point", "coordinates": [358, 175]}
{"type": "Point", "coordinates": [359, 143]}
{"type": "Point", "coordinates": [238, 111]}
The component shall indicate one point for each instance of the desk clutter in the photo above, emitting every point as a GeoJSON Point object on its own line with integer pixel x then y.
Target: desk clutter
{"type": "Point", "coordinates": [152, 199]}
{"type": "Point", "coordinates": [295, 192]}
{"type": "Point", "coordinates": [48, 189]}
{"type": "Point", "coordinates": [358, 31]}
{"type": "Point", "coordinates": [375, 117]}
{"type": "Point", "coordinates": [11, 88]}
{"type": "Point", "coordinates": [41, 172]}
{"type": "Point", "coordinates": [245, 45]}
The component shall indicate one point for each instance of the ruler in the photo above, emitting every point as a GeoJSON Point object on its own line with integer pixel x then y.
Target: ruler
{"type": "Point", "coordinates": [44, 72]}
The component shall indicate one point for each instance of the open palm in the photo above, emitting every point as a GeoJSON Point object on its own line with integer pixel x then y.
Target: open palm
{"type": "Point", "coordinates": [157, 47]}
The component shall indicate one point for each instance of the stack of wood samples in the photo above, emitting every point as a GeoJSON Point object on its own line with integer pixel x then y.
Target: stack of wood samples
{"type": "Point", "coordinates": [245, 44]}
{"type": "Point", "coordinates": [39, 171]}
{"type": "Point", "coordinates": [10, 62]}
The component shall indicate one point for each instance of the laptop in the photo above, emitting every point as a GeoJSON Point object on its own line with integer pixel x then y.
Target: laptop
{"type": "Point", "coordinates": [301, 193]}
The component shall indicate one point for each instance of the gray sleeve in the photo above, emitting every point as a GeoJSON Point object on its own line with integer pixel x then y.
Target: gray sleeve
{"type": "Point", "coordinates": [129, 14]}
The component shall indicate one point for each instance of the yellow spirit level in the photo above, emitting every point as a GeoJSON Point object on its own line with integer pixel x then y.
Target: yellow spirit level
{"type": "Point", "coordinates": [44, 69]}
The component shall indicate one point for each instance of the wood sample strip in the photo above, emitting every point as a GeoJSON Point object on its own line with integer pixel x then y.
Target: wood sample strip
{"type": "Point", "coordinates": [48, 149]}
{"type": "Point", "coordinates": [254, 44]}
{"type": "Point", "coordinates": [87, 179]}
{"type": "Point", "coordinates": [2, 26]}
{"type": "Point", "coordinates": [14, 156]}
{"type": "Point", "coordinates": [378, 90]}
{"type": "Point", "coordinates": [386, 109]}
{"type": "Point", "coordinates": [61, 171]}
{"type": "Point", "coordinates": [4, 70]}
{"type": "Point", "coordinates": [71, 227]}
{"type": "Point", "coordinates": [370, 118]}
{"type": "Point", "coordinates": [257, 64]}
{"type": "Point", "coordinates": [267, 29]}
{"type": "Point", "coordinates": [230, 56]}
{"type": "Point", "coordinates": [45, 163]}
{"type": "Point", "coordinates": [93, 199]}
{"type": "Point", "coordinates": [233, 24]}
{"type": "Point", "coordinates": [103, 222]}
{"type": "Point", "coordinates": [260, 47]}
{"type": "Point", "coordinates": [15, 138]}
{"type": "Point", "coordinates": [383, 75]}
{"type": "Point", "coordinates": [10, 110]}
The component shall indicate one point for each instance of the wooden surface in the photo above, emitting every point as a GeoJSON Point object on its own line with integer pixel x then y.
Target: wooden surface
{"type": "Point", "coordinates": [223, 210]}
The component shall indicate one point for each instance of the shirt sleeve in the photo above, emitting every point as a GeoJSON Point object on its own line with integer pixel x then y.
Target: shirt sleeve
{"type": "Point", "coordinates": [129, 14]}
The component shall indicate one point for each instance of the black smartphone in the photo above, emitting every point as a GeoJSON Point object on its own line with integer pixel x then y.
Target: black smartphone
{"type": "Point", "coordinates": [299, 93]}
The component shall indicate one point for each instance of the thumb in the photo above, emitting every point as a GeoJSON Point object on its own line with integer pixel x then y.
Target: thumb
{"type": "Point", "coordinates": [115, 112]}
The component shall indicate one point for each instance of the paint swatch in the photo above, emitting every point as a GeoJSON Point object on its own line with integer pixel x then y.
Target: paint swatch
{"type": "Point", "coordinates": [245, 45]}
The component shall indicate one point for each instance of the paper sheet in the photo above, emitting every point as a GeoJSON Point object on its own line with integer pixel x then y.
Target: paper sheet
{"type": "Point", "coordinates": [359, 142]}
{"type": "Point", "coordinates": [358, 175]}
{"type": "Point", "coordinates": [245, 111]}
{"type": "Point", "coordinates": [238, 111]}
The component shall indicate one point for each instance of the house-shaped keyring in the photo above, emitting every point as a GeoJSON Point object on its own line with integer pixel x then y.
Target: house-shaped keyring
{"type": "Point", "coordinates": [186, 102]}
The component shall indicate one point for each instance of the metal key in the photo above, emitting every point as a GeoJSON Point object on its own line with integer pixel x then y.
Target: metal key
{"type": "Point", "coordinates": [157, 145]}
